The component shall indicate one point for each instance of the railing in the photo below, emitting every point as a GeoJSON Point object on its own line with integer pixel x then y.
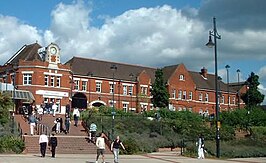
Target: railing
{"type": "Point", "coordinates": [41, 128]}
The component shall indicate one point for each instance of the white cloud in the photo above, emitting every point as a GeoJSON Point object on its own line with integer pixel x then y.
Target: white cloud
{"type": "Point", "coordinates": [14, 34]}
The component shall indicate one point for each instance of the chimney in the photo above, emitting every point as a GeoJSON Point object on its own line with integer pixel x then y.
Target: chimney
{"type": "Point", "coordinates": [204, 72]}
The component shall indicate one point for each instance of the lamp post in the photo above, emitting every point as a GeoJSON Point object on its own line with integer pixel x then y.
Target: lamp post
{"type": "Point", "coordinates": [238, 93]}
{"type": "Point", "coordinates": [90, 75]}
{"type": "Point", "coordinates": [113, 68]}
{"type": "Point", "coordinates": [210, 44]}
{"type": "Point", "coordinates": [131, 75]}
{"type": "Point", "coordinates": [227, 73]}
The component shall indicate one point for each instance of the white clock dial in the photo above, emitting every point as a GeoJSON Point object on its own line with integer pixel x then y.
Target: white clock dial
{"type": "Point", "coordinates": [53, 50]}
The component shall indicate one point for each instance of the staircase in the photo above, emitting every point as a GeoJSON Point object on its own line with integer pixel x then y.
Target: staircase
{"type": "Point", "coordinates": [75, 142]}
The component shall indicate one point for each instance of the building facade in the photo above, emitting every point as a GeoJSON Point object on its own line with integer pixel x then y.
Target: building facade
{"type": "Point", "coordinates": [85, 83]}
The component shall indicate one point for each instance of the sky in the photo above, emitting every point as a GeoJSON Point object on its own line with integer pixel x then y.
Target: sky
{"type": "Point", "coordinates": [153, 33]}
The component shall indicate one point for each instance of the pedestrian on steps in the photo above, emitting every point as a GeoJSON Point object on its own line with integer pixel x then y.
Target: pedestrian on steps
{"type": "Point", "coordinates": [43, 141]}
{"type": "Point", "coordinates": [53, 144]}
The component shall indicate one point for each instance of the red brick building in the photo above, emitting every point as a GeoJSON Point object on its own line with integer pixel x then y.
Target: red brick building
{"type": "Point", "coordinates": [84, 82]}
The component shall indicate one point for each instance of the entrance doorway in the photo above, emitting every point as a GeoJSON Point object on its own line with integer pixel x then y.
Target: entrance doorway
{"type": "Point", "coordinates": [79, 100]}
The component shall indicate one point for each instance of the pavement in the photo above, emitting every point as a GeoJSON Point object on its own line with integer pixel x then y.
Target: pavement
{"type": "Point", "coordinates": [161, 157]}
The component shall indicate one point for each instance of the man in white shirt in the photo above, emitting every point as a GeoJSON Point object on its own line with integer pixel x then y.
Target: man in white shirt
{"type": "Point", "coordinates": [43, 141]}
{"type": "Point", "coordinates": [54, 108]}
{"type": "Point", "coordinates": [100, 143]}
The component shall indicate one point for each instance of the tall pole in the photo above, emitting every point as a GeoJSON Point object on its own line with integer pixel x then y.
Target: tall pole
{"type": "Point", "coordinates": [131, 76]}
{"type": "Point", "coordinates": [211, 44]}
{"type": "Point", "coordinates": [238, 92]}
{"type": "Point", "coordinates": [113, 68]}
{"type": "Point", "coordinates": [228, 96]}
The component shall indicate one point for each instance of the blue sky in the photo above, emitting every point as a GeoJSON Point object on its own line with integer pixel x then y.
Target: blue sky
{"type": "Point", "coordinates": [134, 31]}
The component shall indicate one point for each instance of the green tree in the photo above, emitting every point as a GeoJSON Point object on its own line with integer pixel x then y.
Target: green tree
{"type": "Point", "coordinates": [159, 92]}
{"type": "Point", "coordinates": [253, 97]}
{"type": "Point", "coordinates": [5, 103]}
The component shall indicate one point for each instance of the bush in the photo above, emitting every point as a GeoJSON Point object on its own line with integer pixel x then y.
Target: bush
{"type": "Point", "coordinates": [11, 144]}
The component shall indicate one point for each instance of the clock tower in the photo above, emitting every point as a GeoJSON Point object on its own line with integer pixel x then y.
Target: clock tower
{"type": "Point", "coordinates": [52, 54]}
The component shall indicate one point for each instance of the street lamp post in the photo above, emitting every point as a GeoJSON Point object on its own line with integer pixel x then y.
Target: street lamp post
{"type": "Point", "coordinates": [238, 93]}
{"type": "Point", "coordinates": [211, 44]}
{"type": "Point", "coordinates": [113, 68]}
{"type": "Point", "coordinates": [228, 98]}
{"type": "Point", "coordinates": [90, 75]}
{"type": "Point", "coordinates": [131, 75]}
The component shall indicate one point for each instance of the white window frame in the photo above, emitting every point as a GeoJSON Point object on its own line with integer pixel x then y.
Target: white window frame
{"type": "Point", "coordinates": [83, 85]}
{"type": "Point", "coordinates": [130, 90]}
{"type": "Point", "coordinates": [27, 79]}
{"type": "Point", "coordinates": [206, 97]}
{"type": "Point", "coordinates": [125, 107]}
{"type": "Point", "coordinates": [52, 81]}
{"type": "Point", "coordinates": [200, 96]}
{"type": "Point", "coordinates": [46, 80]}
{"type": "Point", "coordinates": [58, 81]}
{"type": "Point", "coordinates": [76, 86]}
{"type": "Point", "coordinates": [190, 95]}
{"type": "Point", "coordinates": [179, 94]}
{"type": "Point", "coordinates": [98, 87]}
{"type": "Point", "coordinates": [111, 88]}
{"type": "Point", "coordinates": [222, 100]}
{"type": "Point", "coordinates": [173, 93]}
{"type": "Point", "coordinates": [184, 95]}
{"type": "Point", "coordinates": [124, 90]}
{"type": "Point", "coordinates": [181, 77]}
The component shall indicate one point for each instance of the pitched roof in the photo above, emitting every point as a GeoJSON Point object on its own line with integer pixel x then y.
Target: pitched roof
{"type": "Point", "coordinates": [26, 53]}
{"type": "Point", "coordinates": [208, 83]}
{"type": "Point", "coordinates": [99, 68]}
{"type": "Point", "coordinates": [168, 71]}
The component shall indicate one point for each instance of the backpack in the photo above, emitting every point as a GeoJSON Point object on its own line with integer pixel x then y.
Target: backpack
{"type": "Point", "coordinates": [53, 141]}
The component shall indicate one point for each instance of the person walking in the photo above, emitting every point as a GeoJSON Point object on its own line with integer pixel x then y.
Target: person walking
{"type": "Point", "coordinates": [200, 144]}
{"type": "Point", "coordinates": [67, 123]}
{"type": "Point", "coordinates": [116, 144]}
{"type": "Point", "coordinates": [93, 129]}
{"type": "Point", "coordinates": [59, 124]}
{"type": "Point", "coordinates": [32, 122]}
{"type": "Point", "coordinates": [53, 144]}
{"type": "Point", "coordinates": [54, 108]}
{"type": "Point", "coordinates": [100, 143]}
{"type": "Point", "coordinates": [43, 141]}
{"type": "Point", "coordinates": [76, 115]}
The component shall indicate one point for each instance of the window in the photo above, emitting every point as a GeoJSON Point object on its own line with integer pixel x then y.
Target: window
{"type": "Point", "coordinates": [144, 90]}
{"type": "Point", "coordinates": [27, 79]}
{"type": "Point", "coordinates": [190, 96]}
{"type": "Point", "coordinates": [84, 86]}
{"type": "Point", "coordinates": [184, 95]}
{"type": "Point", "coordinates": [58, 81]}
{"type": "Point", "coordinates": [98, 87]}
{"type": "Point", "coordinates": [46, 80]}
{"type": "Point", "coordinates": [179, 95]}
{"type": "Point", "coordinates": [130, 90]}
{"type": "Point", "coordinates": [174, 93]}
{"type": "Point", "coordinates": [207, 97]}
{"type": "Point", "coordinates": [234, 100]}
{"type": "Point", "coordinates": [181, 77]}
{"type": "Point", "coordinates": [124, 90]}
{"type": "Point", "coordinates": [125, 107]}
{"type": "Point", "coordinates": [111, 88]}
{"type": "Point", "coordinates": [200, 96]}
{"type": "Point", "coordinates": [52, 81]}
{"type": "Point", "coordinates": [76, 87]}
{"type": "Point", "coordinates": [229, 100]}
{"type": "Point", "coordinates": [222, 100]}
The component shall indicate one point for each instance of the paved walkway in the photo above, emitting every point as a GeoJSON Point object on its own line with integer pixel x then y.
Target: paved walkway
{"type": "Point", "coordinates": [148, 158]}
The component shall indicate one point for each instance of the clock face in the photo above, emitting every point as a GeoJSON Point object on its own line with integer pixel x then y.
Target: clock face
{"type": "Point", "coordinates": [53, 50]}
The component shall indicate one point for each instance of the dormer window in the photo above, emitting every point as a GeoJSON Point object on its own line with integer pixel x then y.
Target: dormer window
{"type": "Point", "coordinates": [181, 77]}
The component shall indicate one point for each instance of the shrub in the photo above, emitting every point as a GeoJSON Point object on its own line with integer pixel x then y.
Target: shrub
{"type": "Point", "coordinates": [11, 144]}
